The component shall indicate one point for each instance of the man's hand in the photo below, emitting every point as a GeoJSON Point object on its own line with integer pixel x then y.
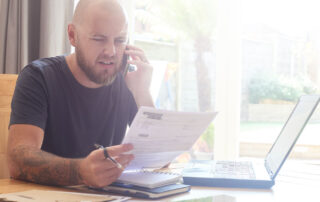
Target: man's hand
{"type": "Point", "coordinates": [97, 171]}
{"type": "Point", "coordinates": [139, 81]}
{"type": "Point", "coordinates": [28, 162]}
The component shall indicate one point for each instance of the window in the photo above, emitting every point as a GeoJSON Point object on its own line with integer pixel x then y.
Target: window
{"type": "Point", "coordinates": [280, 47]}
{"type": "Point", "coordinates": [263, 56]}
{"type": "Point", "coordinates": [178, 37]}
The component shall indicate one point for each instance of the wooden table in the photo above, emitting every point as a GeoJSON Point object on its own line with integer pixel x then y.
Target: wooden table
{"type": "Point", "coordinates": [9, 186]}
{"type": "Point", "coordinates": [295, 183]}
{"type": "Point", "coordinates": [280, 192]}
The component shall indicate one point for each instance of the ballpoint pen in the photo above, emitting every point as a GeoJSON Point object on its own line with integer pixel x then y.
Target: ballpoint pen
{"type": "Point", "coordinates": [107, 156]}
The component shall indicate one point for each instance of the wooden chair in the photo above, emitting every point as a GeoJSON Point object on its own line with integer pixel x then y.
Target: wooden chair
{"type": "Point", "coordinates": [7, 85]}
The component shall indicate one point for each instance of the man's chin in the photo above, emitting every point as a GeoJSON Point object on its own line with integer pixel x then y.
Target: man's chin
{"type": "Point", "coordinates": [106, 81]}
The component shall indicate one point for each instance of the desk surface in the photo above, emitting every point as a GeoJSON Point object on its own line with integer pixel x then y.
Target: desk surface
{"type": "Point", "coordinates": [296, 182]}
{"type": "Point", "coordinates": [280, 192]}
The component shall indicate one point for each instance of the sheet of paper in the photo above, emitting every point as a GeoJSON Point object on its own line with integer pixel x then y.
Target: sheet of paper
{"type": "Point", "coordinates": [159, 136]}
{"type": "Point", "coordinates": [54, 196]}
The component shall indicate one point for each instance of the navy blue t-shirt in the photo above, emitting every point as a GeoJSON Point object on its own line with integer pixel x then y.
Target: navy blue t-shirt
{"type": "Point", "coordinates": [72, 116]}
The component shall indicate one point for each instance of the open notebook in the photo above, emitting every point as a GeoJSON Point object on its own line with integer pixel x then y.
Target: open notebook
{"type": "Point", "coordinates": [149, 179]}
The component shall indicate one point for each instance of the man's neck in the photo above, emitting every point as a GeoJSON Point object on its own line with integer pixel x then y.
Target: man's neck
{"type": "Point", "coordinates": [78, 74]}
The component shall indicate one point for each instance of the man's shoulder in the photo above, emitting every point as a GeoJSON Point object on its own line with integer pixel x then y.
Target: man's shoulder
{"type": "Point", "coordinates": [44, 67]}
{"type": "Point", "coordinates": [42, 70]}
{"type": "Point", "coordinates": [45, 64]}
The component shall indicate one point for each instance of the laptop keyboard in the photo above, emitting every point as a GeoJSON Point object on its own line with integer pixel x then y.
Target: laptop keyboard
{"type": "Point", "coordinates": [234, 169]}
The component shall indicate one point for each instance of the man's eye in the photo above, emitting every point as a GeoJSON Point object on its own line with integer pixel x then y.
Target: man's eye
{"type": "Point", "coordinates": [121, 41]}
{"type": "Point", "coordinates": [98, 39]}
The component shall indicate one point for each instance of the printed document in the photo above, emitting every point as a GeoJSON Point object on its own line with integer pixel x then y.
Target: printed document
{"type": "Point", "coordinates": [159, 136]}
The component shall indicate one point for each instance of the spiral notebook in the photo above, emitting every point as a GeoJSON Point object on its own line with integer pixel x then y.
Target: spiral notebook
{"type": "Point", "coordinates": [149, 179]}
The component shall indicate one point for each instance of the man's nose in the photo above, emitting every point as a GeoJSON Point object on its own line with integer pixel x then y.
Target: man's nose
{"type": "Point", "coordinates": [109, 49]}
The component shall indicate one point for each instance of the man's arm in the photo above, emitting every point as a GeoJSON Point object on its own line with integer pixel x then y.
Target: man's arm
{"type": "Point", "coordinates": [28, 162]}
{"type": "Point", "coordinates": [139, 81]}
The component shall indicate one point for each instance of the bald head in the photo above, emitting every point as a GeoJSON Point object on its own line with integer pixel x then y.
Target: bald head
{"type": "Point", "coordinates": [99, 33]}
{"type": "Point", "coordinates": [88, 8]}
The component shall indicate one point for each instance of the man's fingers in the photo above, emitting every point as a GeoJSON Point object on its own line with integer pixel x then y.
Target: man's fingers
{"type": "Point", "coordinates": [98, 171]}
{"type": "Point", "coordinates": [137, 55]}
{"type": "Point", "coordinates": [119, 149]}
{"type": "Point", "coordinates": [107, 177]}
{"type": "Point", "coordinates": [132, 47]}
{"type": "Point", "coordinates": [124, 159]}
{"type": "Point", "coordinates": [140, 64]}
{"type": "Point", "coordinates": [103, 164]}
{"type": "Point", "coordinates": [99, 154]}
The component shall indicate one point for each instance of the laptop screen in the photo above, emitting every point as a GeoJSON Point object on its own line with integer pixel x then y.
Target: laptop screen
{"type": "Point", "coordinates": [290, 133]}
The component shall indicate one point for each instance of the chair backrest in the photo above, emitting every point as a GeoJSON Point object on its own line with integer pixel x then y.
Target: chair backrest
{"type": "Point", "coordinates": [7, 85]}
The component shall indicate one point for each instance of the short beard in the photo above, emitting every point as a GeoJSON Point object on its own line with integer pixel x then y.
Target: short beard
{"type": "Point", "coordinates": [101, 78]}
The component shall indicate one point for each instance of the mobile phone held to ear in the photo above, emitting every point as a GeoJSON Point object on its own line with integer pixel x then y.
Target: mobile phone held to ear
{"type": "Point", "coordinates": [125, 66]}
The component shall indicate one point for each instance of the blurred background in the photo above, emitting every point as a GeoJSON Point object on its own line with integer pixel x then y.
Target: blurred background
{"type": "Point", "coordinates": [257, 56]}
{"type": "Point", "coordinates": [250, 60]}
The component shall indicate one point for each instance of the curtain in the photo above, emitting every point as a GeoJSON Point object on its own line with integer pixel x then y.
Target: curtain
{"type": "Point", "coordinates": [32, 29]}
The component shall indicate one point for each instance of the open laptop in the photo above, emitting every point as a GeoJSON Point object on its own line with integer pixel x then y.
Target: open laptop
{"type": "Point", "coordinates": [249, 174]}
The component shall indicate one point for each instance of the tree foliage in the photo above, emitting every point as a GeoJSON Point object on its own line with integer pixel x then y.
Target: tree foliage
{"type": "Point", "coordinates": [193, 20]}
{"type": "Point", "coordinates": [184, 18]}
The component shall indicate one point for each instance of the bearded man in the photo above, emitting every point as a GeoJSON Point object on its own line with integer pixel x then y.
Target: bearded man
{"type": "Point", "coordinates": [64, 105]}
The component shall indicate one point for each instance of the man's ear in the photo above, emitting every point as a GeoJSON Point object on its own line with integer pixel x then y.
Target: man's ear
{"type": "Point", "coordinates": [72, 34]}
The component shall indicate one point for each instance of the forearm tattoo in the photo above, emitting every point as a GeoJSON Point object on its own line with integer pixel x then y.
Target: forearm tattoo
{"type": "Point", "coordinates": [42, 167]}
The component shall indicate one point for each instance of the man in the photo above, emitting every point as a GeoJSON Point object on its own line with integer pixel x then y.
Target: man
{"type": "Point", "coordinates": [62, 106]}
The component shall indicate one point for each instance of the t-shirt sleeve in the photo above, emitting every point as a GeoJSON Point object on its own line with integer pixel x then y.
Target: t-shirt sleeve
{"type": "Point", "coordinates": [29, 102]}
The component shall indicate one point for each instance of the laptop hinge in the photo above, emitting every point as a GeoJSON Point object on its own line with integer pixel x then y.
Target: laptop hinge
{"type": "Point", "coordinates": [270, 173]}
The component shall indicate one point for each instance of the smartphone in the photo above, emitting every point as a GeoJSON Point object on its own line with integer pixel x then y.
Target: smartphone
{"type": "Point", "coordinates": [125, 65]}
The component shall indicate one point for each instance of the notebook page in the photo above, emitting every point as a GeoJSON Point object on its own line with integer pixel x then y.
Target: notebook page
{"type": "Point", "coordinates": [149, 179]}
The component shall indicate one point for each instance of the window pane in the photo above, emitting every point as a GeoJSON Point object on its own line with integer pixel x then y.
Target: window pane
{"type": "Point", "coordinates": [280, 51]}
{"type": "Point", "coordinates": [178, 37]}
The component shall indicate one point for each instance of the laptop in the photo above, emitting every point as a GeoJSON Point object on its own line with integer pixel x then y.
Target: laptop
{"type": "Point", "coordinates": [254, 174]}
